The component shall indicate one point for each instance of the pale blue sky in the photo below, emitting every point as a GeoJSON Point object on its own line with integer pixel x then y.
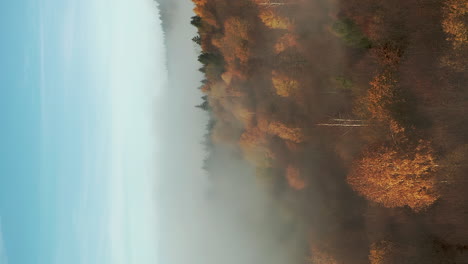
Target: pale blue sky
{"type": "Point", "coordinates": [101, 161]}
{"type": "Point", "coordinates": [79, 80]}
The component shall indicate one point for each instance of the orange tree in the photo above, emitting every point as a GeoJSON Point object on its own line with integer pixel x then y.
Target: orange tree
{"type": "Point", "coordinates": [396, 178]}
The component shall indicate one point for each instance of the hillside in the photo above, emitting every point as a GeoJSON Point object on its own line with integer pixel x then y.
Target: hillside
{"type": "Point", "coordinates": [355, 111]}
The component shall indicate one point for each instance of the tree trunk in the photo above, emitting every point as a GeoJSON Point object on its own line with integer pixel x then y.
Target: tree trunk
{"type": "Point", "coordinates": [277, 3]}
{"type": "Point", "coordinates": [337, 122]}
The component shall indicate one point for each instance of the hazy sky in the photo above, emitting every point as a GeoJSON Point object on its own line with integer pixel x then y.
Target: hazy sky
{"type": "Point", "coordinates": [101, 153]}
{"type": "Point", "coordinates": [80, 83]}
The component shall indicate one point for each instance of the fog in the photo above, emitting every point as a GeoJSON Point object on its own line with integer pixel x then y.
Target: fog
{"type": "Point", "coordinates": [355, 150]}
{"type": "Point", "coordinates": [222, 217]}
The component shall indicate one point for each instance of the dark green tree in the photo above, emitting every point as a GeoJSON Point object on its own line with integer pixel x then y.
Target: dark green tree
{"type": "Point", "coordinates": [204, 105]}
{"type": "Point", "coordinates": [196, 21]}
{"type": "Point", "coordinates": [197, 39]}
{"type": "Point", "coordinates": [351, 34]}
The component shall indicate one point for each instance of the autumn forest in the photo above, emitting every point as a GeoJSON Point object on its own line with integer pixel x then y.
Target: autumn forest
{"type": "Point", "coordinates": [354, 115]}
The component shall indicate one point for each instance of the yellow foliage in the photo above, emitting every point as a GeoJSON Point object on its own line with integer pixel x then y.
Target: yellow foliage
{"type": "Point", "coordinates": [455, 23]}
{"type": "Point", "coordinates": [234, 43]}
{"type": "Point", "coordinates": [273, 20]}
{"type": "Point", "coordinates": [284, 85]}
{"type": "Point", "coordinates": [396, 178]}
{"type": "Point", "coordinates": [287, 133]}
{"type": "Point", "coordinates": [384, 100]}
{"type": "Point", "coordinates": [455, 26]}
{"type": "Point", "coordinates": [227, 77]}
{"type": "Point", "coordinates": [381, 96]}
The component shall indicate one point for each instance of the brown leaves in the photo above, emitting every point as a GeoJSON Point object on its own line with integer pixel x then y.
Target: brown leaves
{"type": "Point", "coordinates": [388, 54]}
{"type": "Point", "coordinates": [275, 21]}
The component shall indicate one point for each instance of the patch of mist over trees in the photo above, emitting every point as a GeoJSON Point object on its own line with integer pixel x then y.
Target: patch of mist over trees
{"type": "Point", "coordinates": [354, 110]}
{"type": "Point", "coordinates": [166, 13]}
